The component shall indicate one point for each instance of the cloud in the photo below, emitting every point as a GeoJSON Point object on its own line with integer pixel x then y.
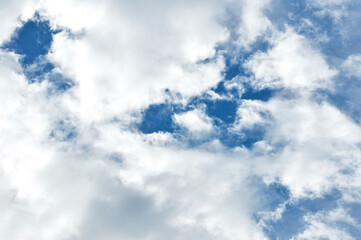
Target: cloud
{"type": "Point", "coordinates": [253, 22]}
{"type": "Point", "coordinates": [144, 51]}
{"type": "Point", "coordinates": [195, 186]}
{"type": "Point", "coordinates": [74, 165]}
{"type": "Point", "coordinates": [61, 183]}
{"type": "Point", "coordinates": [290, 63]}
{"type": "Point", "coordinates": [310, 144]}
{"type": "Point", "coordinates": [195, 121]}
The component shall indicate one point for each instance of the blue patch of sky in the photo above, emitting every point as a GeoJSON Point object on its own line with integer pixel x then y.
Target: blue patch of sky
{"type": "Point", "coordinates": [262, 94]}
{"type": "Point", "coordinates": [326, 202]}
{"type": "Point", "coordinates": [354, 210]}
{"type": "Point", "coordinates": [249, 92]}
{"type": "Point", "coordinates": [234, 63]}
{"type": "Point", "coordinates": [222, 111]}
{"type": "Point", "coordinates": [352, 230]}
{"type": "Point", "coordinates": [270, 198]}
{"type": "Point", "coordinates": [33, 41]}
{"type": "Point", "coordinates": [292, 222]}
{"type": "Point", "coordinates": [234, 68]}
{"type": "Point", "coordinates": [158, 118]}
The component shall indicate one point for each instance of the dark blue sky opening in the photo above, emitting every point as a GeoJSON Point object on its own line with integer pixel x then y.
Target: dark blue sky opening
{"type": "Point", "coordinates": [223, 111]}
{"type": "Point", "coordinates": [262, 95]}
{"type": "Point", "coordinates": [158, 118]}
{"type": "Point", "coordinates": [232, 70]}
{"type": "Point", "coordinates": [31, 40]}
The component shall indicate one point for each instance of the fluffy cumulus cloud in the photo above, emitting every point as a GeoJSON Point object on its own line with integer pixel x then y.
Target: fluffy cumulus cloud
{"type": "Point", "coordinates": [179, 120]}
{"type": "Point", "coordinates": [132, 52]}
{"type": "Point", "coordinates": [195, 121]}
{"type": "Point", "coordinates": [307, 70]}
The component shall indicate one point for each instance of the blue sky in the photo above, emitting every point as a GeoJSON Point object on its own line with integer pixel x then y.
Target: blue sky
{"type": "Point", "coordinates": [180, 120]}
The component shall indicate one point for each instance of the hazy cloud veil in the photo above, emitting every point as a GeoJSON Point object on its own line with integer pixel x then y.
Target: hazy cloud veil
{"type": "Point", "coordinates": [233, 119]}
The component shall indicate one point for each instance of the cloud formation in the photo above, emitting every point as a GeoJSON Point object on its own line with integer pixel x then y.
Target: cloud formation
{"type": "Point", "coordinates": [251, 130]}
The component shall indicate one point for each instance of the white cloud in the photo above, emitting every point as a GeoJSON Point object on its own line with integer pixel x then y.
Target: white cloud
{"type": "Point", "coordinates": [113, 182]}
{"type": "Point", "coordinates": [198, 185]}
{"type": "Point", "coordinates": [319, 141]}
{"type": "Point", "coordinates": [24, 125]}
{"type": "Point", "coordinates": [195, 121]}
{"type": "Point", "coordinates": [107, 177]}
{"type": "Point", "coordinates": [250, 113]}
{"type": "Point", "coordinates": [134, 52]}
{"type": "Point", "coordinates": [12, 12]}
{"type": "Point", "coordinates": [290, 63]}
{"type": "Point", "coordinates": [253, 22]}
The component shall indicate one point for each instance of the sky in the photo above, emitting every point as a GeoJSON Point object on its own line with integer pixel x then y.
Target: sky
{"type": "Point", "coordinates": [181, 120]}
